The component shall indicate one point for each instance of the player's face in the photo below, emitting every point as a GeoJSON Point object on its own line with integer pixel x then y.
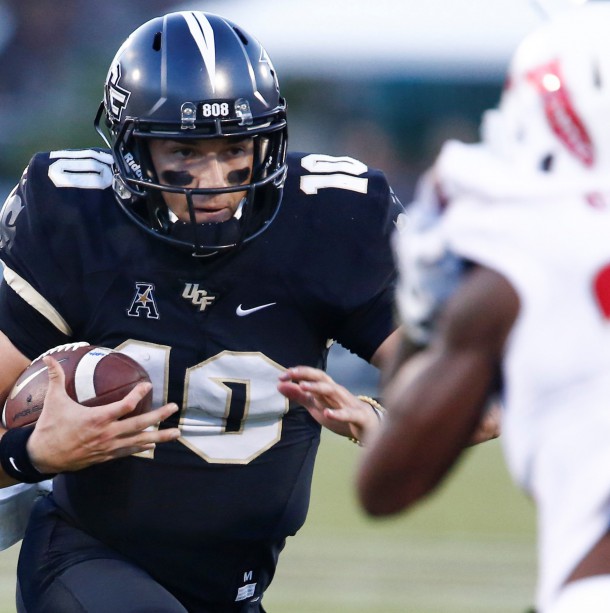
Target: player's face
{"type": "Point", "coordinates": [203, 163]}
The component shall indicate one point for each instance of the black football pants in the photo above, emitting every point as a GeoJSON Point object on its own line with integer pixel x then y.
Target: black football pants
{"type": "Point", "coordinates": [92, 579]}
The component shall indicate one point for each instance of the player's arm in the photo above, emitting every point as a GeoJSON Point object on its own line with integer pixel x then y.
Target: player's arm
{"type": "Point", "coordinates": [66, 437]}
{"type": "Point", "coordinates": [393, 345]}
{"type": "Point", "coordinates": [371, 316]}
{"type": "Point", "coordinates": [12, 363]}
{"type": "Point", "coordinates": [404, 349]}
{"type": "Point", "coordinates": [436, 400]}
{"type": "Point", "coordinates": [333, 405]}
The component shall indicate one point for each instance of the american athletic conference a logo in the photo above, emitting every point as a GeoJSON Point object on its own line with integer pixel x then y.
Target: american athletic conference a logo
{"type": "Point", "coordinates": [143, 303]}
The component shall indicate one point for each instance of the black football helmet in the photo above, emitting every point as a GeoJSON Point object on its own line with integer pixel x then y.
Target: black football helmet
{"type": "Point", "coordinates": [194, 75]}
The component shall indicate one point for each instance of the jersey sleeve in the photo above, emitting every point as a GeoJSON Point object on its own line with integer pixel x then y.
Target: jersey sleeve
{"type": "Point", "coordinates": [35, 256]}
{"type": "Point", "coordinates": [29, 330]}
{"type": "Point", "coordinates": [370, 318]}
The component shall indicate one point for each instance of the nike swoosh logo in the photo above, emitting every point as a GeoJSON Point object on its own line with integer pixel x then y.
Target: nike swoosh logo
{"type": "Point", "coordinates": [241, 312]}
{"type": "Point", "coordinates": [19, 387]}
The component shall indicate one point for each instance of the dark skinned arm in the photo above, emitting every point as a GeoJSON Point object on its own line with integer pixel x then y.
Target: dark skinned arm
{"type": "Point", "coordinates": [436, 400]}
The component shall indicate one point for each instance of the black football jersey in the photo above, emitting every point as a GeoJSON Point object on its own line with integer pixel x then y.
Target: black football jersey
{"type": "Point", "coordinates": [210, 509]}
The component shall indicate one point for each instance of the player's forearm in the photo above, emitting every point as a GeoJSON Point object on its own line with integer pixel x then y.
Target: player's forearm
{"type": "Point", "coordinates": [431, 418]}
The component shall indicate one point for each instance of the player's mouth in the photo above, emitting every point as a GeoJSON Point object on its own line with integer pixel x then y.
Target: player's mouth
{"type": "Point", "coordinates": [205, 214]}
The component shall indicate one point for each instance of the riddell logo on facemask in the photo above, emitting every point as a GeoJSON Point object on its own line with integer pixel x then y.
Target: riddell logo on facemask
{"type": "Point", "coordinates": [133, 165]}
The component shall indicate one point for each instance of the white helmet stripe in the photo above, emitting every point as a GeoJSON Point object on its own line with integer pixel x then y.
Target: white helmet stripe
{"type": "Point", "coordinates": [203, 34]}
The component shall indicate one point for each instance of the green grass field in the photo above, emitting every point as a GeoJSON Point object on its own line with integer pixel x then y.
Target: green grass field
{"type": "Point", "coordinates": [469, 549]}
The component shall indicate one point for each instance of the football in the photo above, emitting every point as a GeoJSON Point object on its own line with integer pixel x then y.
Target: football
{"type": "Point", "coordinates": [94, 376]}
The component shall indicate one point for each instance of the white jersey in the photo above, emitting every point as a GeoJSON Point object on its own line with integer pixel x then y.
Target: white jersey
{"type": "Point", "coordinates": [555, 252]}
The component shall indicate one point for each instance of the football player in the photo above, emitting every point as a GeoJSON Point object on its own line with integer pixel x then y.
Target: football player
{"type": "Point", "coordinates": [521, 235]}
{"type": "Point", "coordinates": [197, 245]}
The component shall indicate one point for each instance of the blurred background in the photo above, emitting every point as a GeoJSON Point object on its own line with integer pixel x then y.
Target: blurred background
{"type": "Point", "coordinates": [385, 81]}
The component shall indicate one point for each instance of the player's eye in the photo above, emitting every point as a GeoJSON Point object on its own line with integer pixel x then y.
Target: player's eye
{"type": "Point", "coordinates": [183, 152]}
{"type": "Point", "coordinates": [236, 151]}
{"type": "Point", "coordinates": [239, 149]}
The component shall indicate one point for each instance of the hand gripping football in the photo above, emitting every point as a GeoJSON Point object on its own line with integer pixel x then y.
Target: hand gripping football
{"type": "Point", "coordinates": [94, 376]}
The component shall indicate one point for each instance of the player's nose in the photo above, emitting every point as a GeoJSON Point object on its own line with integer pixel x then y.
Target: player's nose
{"type": "Point", "coordinates": [211, 174]}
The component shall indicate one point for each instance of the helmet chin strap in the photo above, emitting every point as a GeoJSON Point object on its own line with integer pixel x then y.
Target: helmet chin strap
{"type": "Point", "coordinates": [221, 234]}
{"type": "Point", "coordinates": [220, 237]}
{"type": "Point", "coordinates": [239, 210]}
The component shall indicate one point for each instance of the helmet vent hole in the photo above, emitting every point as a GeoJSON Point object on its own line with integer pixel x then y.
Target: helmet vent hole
{"type": "Point", "coordinates": [546, 165]}
{"type": "Point", "coordinates": [243, 39]}
{"type": "Point", "coordinates": [157, 41]}
{"type": "Point", "coordinates": [597, 78]}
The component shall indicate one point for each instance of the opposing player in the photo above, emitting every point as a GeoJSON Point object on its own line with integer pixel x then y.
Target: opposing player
{"type": "Point", "coordinates": [522, 229]}
{"type": "Point", "coordinates": [198, 246]}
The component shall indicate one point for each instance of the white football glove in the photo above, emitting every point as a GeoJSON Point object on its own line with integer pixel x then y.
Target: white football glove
{"type": "Point", "coordinates": [428, 271]}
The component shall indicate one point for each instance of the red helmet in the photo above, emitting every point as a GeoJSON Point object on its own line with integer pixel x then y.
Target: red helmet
{"type": "Point", "coordinates": [553, 114]}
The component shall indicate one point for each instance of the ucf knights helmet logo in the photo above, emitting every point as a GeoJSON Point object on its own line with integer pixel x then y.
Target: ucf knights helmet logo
{"type": "Point", "coordinates": [116, 96]}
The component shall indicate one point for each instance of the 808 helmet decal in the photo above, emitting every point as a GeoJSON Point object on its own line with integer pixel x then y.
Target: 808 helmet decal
{"type": "Point", "coordinates": [193, 75]}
